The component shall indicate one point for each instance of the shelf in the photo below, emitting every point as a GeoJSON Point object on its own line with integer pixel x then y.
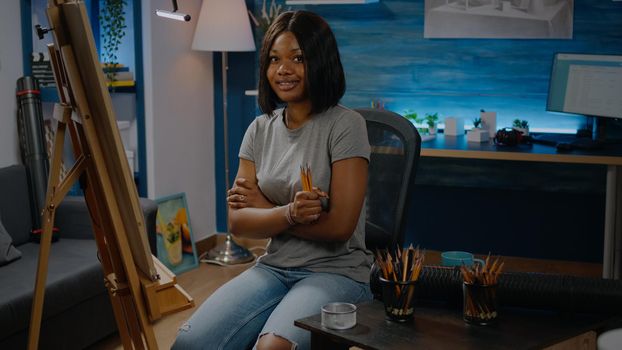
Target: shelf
{"type": "Point", "coordinates": [122, 89]}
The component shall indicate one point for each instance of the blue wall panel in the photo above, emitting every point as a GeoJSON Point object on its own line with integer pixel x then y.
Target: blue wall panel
{"type": "Point", "coordinates": [387, 58]}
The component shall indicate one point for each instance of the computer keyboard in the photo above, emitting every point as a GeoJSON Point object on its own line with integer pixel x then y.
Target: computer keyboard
{"type": "Point", "coordinates": [553, 139]}
{"type": "Point", "coordinates": [585, 143]}
{"type": "Point", "coordinates": [566, 142]}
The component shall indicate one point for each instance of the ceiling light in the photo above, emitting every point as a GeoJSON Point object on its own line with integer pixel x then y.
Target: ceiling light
{"type": "Point", "coordinates": [174, 14]}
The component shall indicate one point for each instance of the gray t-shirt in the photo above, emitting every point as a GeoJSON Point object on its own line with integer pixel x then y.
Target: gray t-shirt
{"type": "Point", "coordinates": [278, 152]}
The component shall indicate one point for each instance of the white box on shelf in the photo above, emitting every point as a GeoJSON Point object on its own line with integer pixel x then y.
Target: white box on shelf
{"type": "Point", "coordinates": [454, 126]}
{"type": "Point", "coordinates": [124, 129]}
{"type": "Point", "coordinates": [130, 160]}
{"type": "Point", "coordinates": [477, 135]}
{"type": "Point", "coordinates": [489, 122]}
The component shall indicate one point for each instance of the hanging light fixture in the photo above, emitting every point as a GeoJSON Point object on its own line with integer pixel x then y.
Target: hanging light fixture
{"type": "Point", "coordinates": [173, 14]}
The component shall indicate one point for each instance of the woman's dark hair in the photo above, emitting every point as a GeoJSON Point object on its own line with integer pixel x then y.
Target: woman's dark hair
{"type": "Point", "coordinates": [324, 78]}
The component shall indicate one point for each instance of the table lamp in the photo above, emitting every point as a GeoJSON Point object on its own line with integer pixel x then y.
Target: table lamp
{"type": "Point", "coordinates": [224, 26]}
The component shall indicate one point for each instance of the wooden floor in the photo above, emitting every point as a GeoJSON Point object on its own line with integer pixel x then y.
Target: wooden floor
{"type": "Point", "coordinates": [199, 283]}
{"type": "Point", "coordinates": [202, 281]}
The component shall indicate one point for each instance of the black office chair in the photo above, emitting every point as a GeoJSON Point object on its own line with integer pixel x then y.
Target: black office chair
{"type": "Point", "coordinates": [395, 149]}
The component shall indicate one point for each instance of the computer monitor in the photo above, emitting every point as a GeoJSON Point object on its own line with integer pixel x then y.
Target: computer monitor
{"type": "Point", "coordinates": [586, 84]}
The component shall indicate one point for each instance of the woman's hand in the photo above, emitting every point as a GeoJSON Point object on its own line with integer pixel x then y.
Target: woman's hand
{"type": "Point", "coordinates": [306, 207]}
{"type": "Point", "coordinates": [245, 194]}
{"type": "Point", "coordinates": [320, 192]}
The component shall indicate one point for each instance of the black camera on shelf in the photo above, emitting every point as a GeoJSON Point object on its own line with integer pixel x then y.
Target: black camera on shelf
{"type": "Point", "coordinates": [510, 137]}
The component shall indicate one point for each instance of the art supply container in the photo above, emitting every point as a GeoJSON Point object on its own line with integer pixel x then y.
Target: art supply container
{"type": "Point", "coordinates": [339, 315]}
{"type": "Point", "coordinates": [480, 303]}
{"type": "Point", "coordinates": [399, 299]}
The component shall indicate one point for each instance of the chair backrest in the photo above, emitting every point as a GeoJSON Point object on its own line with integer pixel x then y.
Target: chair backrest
{"type": "Point", "coordinates": [395, 150]}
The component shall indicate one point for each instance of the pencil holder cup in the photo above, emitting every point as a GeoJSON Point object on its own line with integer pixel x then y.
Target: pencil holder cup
{"type": "Point", "coordinates": [399, 299]}
{"type": "Point", "coordinates": [480, 303]}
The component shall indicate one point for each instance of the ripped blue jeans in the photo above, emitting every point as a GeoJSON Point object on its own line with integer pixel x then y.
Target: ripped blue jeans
{"type": "Point", "coordinates": [263, 300]}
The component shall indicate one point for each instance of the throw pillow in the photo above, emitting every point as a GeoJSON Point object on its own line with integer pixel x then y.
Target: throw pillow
{"type": "Point", "coordinates": [8, 252]}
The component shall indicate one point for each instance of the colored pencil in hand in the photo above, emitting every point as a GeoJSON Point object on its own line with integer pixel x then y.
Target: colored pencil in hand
{"type": "Point", "coordinates": [306, 178]}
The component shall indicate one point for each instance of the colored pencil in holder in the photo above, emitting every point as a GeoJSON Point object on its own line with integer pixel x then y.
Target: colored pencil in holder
{"type": "Point", "coordinates": [399, 274]}
{"type": "Point", "coordinates": [480, 291]}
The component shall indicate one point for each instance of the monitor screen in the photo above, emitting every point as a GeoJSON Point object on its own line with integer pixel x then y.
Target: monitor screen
{"type": "Point", "coordinates": [586, 84]}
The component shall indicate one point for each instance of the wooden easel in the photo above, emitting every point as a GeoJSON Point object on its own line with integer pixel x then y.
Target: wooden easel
{"type": "Point", "coordinates": [141, 288]}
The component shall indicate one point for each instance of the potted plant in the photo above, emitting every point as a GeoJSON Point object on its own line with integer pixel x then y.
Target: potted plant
{"type": "Point", "coordinates": [416, 120]}
{"type": "Point", "coordinates": [431, 120]}
{"type": "Point", "coordinates": [477, 122]}
{"type": "Point", "coordinates": [413, 117]}
{"type": "Point", "coordinates": [477, 134]}
{"type": "Point", "coordinates": [112, 24]}
{"type": "Point", "coordinates": [521, 126]}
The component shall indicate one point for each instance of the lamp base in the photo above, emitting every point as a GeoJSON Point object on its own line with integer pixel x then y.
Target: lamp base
{"type": "Point", "coordinates": [228, 253]}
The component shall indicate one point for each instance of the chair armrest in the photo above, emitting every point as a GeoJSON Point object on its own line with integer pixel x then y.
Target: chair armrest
{"type": "Point", "coordinates": [74, 221]}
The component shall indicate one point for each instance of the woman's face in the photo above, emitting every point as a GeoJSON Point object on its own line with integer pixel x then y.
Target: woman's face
{"type": "Point", "coordinates": [286, 71]}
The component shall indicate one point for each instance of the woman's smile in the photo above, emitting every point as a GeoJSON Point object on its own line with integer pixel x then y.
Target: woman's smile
{"type": "Point", "coordinates": [286, 84]}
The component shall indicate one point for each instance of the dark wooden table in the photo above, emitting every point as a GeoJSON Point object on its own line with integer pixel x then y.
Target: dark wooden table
{"type": "Point", "coordinates": [438, 327]}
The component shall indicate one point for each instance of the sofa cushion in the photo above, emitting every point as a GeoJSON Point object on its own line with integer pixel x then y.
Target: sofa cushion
{"type": "Point", "coordinates": [15, 203]}
{"type": "Point", "coordinates": [74, 275]}
{"type": "Point", "coordinates": [8, 252]}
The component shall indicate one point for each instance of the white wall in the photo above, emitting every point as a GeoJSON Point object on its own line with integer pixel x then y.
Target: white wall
{"type": "Point", "coordinates": [178, 103]}
{"type": "Point", "coordinates": [11, 68]}
{"type": "Point", "coordinates": [179, 110]}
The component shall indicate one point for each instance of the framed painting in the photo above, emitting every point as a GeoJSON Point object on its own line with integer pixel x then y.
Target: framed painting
{"type": "Point", "coordinates": [499, 19]}
{"type": "Point", "coordinates": [175, 242]}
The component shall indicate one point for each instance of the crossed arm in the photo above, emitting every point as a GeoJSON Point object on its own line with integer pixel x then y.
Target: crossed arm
{"type": "Point", "coordinates": [252, 215]}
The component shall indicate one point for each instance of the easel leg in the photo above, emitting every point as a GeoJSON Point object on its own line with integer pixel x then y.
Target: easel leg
{"type": "Point", "coordinates": [133, 335]}
{"type": "Point", "coordinates": [46, 239]}
{"type": "Point", "coordinates": [78, 140]}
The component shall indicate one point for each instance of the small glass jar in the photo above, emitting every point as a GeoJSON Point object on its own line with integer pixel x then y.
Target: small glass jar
{"type": "Point", "coordinates": [339, 315]}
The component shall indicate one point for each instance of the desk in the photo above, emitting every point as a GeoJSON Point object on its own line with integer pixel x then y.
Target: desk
{"type": "Point", "coordinates": [441, 328]}
{"type": "Point", "coordinates": [611, 155]}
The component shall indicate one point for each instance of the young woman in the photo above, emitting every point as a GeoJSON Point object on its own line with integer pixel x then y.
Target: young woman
{"type": "Point", "coordinates": [317, 249]}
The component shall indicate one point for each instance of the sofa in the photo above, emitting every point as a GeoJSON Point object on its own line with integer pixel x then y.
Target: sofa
{"type": "Point", "coordinates": [77, 311]}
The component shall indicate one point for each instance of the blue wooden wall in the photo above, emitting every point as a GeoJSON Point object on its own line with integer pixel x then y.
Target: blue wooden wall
{"type": "Point", "coordinates": [386, 58]}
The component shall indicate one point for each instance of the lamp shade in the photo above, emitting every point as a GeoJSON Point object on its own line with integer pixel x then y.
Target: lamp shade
{"type": "Point", "coordinates": [223, 25]}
